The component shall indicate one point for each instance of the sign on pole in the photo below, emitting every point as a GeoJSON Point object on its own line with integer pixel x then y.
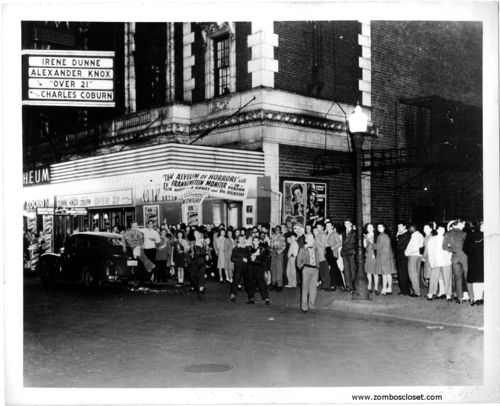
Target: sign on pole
{"type": "Point", "coordinates": [68, 78]}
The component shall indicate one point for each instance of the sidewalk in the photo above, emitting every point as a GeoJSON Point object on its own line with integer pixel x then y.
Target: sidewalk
{"type": "Point", "coordinates": [436, 312]}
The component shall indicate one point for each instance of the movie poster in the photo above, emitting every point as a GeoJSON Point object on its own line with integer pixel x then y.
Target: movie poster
{"type": "Point", "coordinates": [294, 203]}
{"type": "Point", "coordinates": [316, 203]}
{"type": "Point", "coordinates": [151, 213]}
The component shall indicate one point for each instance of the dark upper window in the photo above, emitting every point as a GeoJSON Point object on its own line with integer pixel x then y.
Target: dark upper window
{"type": "Point", "coordinates": [150, 56]}
{"type": "Point", "coordinates": [221, 65]}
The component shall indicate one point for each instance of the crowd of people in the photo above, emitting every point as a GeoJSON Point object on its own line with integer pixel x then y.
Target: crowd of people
{"type": "Point", "coordinates": [34, 245]}
{"type": "Point", "coordinates": [444, 259]}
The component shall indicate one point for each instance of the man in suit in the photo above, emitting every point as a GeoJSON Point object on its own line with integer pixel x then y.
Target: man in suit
{"type": "Point", "coordinates": [402, 240]}
{"type": "Point", "coordinates": [347, 252]}
{"type": "Point", "coordinates": [308, 261]}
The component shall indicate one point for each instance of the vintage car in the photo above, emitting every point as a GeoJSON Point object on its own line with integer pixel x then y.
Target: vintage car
{"type": "Point", "coordinates": [92, 258]}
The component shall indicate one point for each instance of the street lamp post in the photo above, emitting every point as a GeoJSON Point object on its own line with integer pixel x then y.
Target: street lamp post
{"type": "Point", "coordinates": [358, 125]}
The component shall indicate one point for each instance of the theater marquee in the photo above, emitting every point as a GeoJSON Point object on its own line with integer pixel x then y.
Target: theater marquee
{"type": "Point", "coordinates": [68, 78]}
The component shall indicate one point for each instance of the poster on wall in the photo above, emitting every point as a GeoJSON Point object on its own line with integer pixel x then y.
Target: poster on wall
{"type": "Point", "coordinates": [294, 203]}
{"type": "Point", "coordinates": [151, 213]}
{"type": "Point", "coordinates": [191, 214]}
{"type": "Point", "coordinates": [316, 203]}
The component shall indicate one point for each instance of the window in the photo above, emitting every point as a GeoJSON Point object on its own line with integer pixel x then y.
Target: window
{"type": "Point", "coordinates": [222, 65]}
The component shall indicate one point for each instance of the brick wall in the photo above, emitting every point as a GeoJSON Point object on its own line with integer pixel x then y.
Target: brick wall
{"type": "Point", "coordinates": [421, 59]}
{"type": "Point", "coordinates": [416, 59]}
{"type": "Point", "coordinates": [297, 163]}
{"type": "Point", "coordinates": [332, 46]}
{"type": "Point", "coordinates": [243, 55]}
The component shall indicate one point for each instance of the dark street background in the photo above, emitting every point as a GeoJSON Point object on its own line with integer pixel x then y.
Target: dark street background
{"type": "Point", "coordinates": [168, 338]}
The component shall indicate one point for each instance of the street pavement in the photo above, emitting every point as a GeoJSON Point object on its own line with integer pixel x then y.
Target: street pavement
{"type": "Point", "coordinates": [164, 337]}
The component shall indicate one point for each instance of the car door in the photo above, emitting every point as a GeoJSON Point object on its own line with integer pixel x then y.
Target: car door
{"type": "Point", "coordinates": [76, 255]}
{"type": "Point", "coordinates": [69, 257]}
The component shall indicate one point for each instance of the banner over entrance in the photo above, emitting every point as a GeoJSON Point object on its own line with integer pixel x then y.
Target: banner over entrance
{"type": "Point", "coordinates": [197, 185]}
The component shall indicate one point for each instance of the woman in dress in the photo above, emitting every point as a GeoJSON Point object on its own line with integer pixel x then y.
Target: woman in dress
{"type": "Point", "coordinates": [370, 261]}
{"type": "Point", "coordinates": [219, 245]}
{"type": "Point", "coordinates": [181, 247]}
{"type": "Point", "coordinates": [229, 244]}
{"type": "Point", "coordinates": [384, 259]}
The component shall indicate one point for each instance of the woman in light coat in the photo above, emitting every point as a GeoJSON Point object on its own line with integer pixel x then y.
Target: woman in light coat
{"type": "Point", "coordinates": [219, 248]}
{"type": "Point", "coordinates": [440, 263]}
{"type": "Point", "coordinates": [229, 244]}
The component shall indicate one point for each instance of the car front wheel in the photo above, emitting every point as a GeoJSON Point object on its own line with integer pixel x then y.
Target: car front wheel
{"type": "Point", "coordinates": [88, 279]}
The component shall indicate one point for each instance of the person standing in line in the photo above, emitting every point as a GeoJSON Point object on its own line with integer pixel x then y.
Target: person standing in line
{"type": "Point", "coordinates": [291, 269]}
{"type": "Point", "coordinates": [229, 244]}
{"type": "Point", "coordinates": [181, 247]}
{"type": "Point", "coordinates": [370, 261]}
{"type": "Point", "coordinates": [219, 247]}
{"type": "Point", "coordinates": [239, 256]}
{"type": "Point", "coordinates": [348, 251]}
{"type": "Point", "coordinates": [277, 245]}
{"type": "Point", "coordinates": [133, 241]}
{"type": "Point", "coordinates": [384, 259]}
{"type": "Point", "coordinates": [307, 261]}
{"type": "Point", "coordinates": [301, 241]}
{"type": "Point", "coordinates": [440, 263]}
{"type": "Point", "coordinates": [151, 238]}
{"type": "Point", "coordinates": [248, 238]}
{"type": "Point", "coordinates": [163, 251]}
{"type": "Point", "coordinates": [475, 276]}
{"type": "Point", "coordinates": [300, 232]}
{"type": "Point", "coordinates": [402, 241]}
{"type": "Point", "coordinates": [198, 258]}
{"type": "Point", "coordinates": [333, 243]}
{"type": "Point", "coordinates": [414, 256]}
{"type": "Point", "coordinates": [41, 243]}
{"type": "Point", "coordinates": [324, 270]}
{"type": "Point", "coordinates": [258, 257]}
{"type": "Point", "coordinates": [454, 242]}
{"type": "Point", "coordinates": [426, 268]}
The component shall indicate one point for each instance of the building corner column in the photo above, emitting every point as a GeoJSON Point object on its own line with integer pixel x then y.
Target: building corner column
{"type": "Point", "coordinates": [188, 59]}
{"type": "Point", "coordinates": [262, 41]}
{"type": "Point", "coordinates": [271, 168]}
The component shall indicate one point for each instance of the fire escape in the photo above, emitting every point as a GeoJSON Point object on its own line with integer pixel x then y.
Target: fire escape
{"type": "Point", "coordinates": [433, 137]}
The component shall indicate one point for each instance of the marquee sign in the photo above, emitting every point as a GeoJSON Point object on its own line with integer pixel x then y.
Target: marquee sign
{"type": "Point", "coordinates": [68, 78]}
{"type": "Point", "coordinates": [97, 199]}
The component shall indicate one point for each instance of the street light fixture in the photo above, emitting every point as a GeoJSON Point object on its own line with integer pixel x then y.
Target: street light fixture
{"type": "Point", "coordinates": [358, 126]}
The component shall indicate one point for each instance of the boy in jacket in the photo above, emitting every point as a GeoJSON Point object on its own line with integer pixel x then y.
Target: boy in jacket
{"type": "Point", "coordinates": [257, 260]}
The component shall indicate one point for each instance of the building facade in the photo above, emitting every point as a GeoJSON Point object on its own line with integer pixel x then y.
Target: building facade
{"type": "Point", "coordinates": [272, 100]}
